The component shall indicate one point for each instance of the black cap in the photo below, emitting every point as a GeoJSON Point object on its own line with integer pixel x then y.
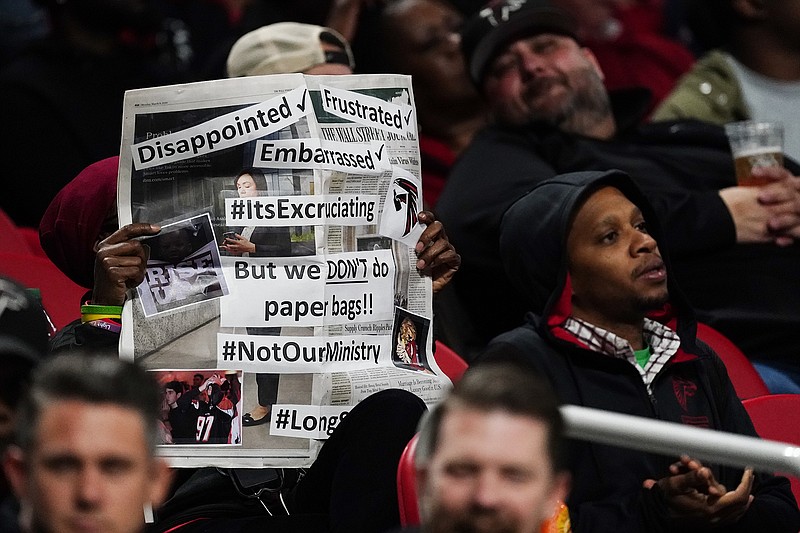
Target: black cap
{"type": "Point", "coordinates": [22, 323]}
{"type": "Point", "coordinates": [504, 21]}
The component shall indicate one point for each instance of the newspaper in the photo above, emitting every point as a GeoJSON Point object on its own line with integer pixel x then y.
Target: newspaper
{"type": "Point", "coordinates": [284, 273]}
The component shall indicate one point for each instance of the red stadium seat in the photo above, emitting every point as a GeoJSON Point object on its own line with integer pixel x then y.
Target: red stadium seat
{"type": "Point", "coordinates": [454, 367]}
{"type": "Point", "coordinates": [450, 362]}
{"type": "Point", "coordinates": [406, 485]}
{"type": "Point", "coordinates": [61, 297]}
{"type": "Point", "coordinates": [31, 236]}
{"type": "Point", "coordinates": [744, 376]}
{"type": "Point", "coordinates": [11, 238]}
{"type": "Point", "coordinates": [777, 417]}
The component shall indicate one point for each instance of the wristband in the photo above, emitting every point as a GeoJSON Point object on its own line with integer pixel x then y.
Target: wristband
{"type": "Point", "coordinates": [92, 309]}
{"type": "Point", "coordinates": [88, 318]}
{"type": "Point", "coordinates": [114, 326]}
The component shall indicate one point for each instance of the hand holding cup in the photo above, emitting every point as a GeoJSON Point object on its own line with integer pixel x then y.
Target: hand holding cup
{"type": "Point", "coordinates": [755, 145]}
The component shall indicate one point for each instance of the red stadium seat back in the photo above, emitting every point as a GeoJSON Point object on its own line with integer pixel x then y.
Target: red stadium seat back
{"type": "Point", "coordinates": [777, 417]}
{"type": "Point", "coordinates": [31, 236]}
{"type": "Point", "coordinates": [450, 362]}
{"type": "Point", "coordinates": [744, 376]}
{"type": "Point", "coordinates": [11, 238]}
{"type": "Point", "coordinates": [454, 367]}
{"type": "Point", "coordinates": [406, 485]}
{"type": "Point", "coordinates": [61, 297]}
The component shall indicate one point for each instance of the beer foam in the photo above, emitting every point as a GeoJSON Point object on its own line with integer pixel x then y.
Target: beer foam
{"type": "Point", "coordinates": [758, 151]}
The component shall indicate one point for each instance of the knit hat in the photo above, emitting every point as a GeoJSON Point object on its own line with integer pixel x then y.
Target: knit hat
{"type": "Point", "coordinates": [499, 23]}
{"type": "Point", "coordinates": [72, 222]}
{"type": "Point", "coordinates": [284, 48]}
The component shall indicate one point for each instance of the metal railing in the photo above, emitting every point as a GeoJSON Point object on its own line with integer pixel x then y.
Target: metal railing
{"type": "Point", "coordinates": [674, 439]}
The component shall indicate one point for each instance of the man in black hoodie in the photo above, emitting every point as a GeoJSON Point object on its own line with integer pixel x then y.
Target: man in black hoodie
{"type": "Point", "coordinates": [732, 245]}
{"type": "Point", "coordinates": [612, 331]}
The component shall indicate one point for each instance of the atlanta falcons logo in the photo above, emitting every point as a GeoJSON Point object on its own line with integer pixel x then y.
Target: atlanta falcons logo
{"type": "Point", "coordinates": [409, 198]}
{"type": "Point", "coordinates": [11, 297]}
{"type": "Point", "coordinates": [683, 389]}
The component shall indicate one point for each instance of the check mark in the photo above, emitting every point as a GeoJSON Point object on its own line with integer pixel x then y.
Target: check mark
{"type": "Point", "coordinates": [302, 105]}
{"type": "Point", "coordinates": [408, 117]}
{"type": "Point", "coordinates": [379, 153]}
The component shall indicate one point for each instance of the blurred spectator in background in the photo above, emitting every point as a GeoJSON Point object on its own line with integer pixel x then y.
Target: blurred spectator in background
{"type": "Point", "coordinates": [192, 36]}
{"type": "Point", "coordinates": [21, 22]}
{"type": "Point", "coordinates": [245, 16]}
{"type": "Point", "coordinates": [490, 456]}
{"type": "Point", "coordinates": [630, 43]}
{"type": "Point", "coordinates": [23, 343]}
{"type": "Point", "coordinates": [753, 71]}
{"type": "Point", "coordinates": [421, 38]}
{"type": "Point", "coordinates": [63, 96]}
{"type": "Point", "coordinates": [84, 454]}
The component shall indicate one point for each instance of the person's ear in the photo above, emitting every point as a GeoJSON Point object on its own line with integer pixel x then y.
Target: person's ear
{"type": "Point", "coordinates": [592, 59]}
{"type": "Point", "coordinates": [160, 482]}
{"type": "Point", "coordinates": [421, 474]}
{"type": "Point", "coordinates": [562, 484]}
{"type": "Point", "coordinates": [16, 470]}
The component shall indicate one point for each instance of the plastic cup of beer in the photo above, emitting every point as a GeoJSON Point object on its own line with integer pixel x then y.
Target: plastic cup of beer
{"type": "Point", "coordinates": [755, 144]}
